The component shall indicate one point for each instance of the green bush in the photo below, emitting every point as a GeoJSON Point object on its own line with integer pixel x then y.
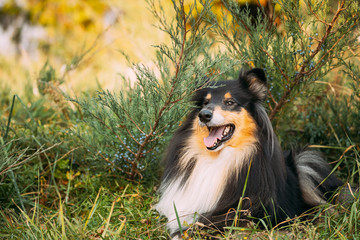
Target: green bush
{"type": "Point", "coordinates": [131, 127]}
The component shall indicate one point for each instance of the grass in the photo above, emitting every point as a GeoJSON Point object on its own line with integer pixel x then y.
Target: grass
{"type": "Point", "coordinates": [47, 194]}
{"type": "Point", "coordinates": [92, 212]}
{"type": "Point", "coordinates": [43, 199]}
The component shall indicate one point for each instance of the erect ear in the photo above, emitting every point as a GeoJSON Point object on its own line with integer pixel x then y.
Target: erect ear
{"type": "Point", "coordinates": [255, 81]}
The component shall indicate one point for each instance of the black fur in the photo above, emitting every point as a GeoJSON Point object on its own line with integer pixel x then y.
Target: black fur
{"type": "Point", "coordinates": [275, 186]}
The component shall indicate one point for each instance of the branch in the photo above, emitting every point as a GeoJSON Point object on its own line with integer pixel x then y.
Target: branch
{"type": "Point", "coordinates": [178, 64]}
{"type": "Point", "coordinates": [328, 30]}
{"type": "Point", "coordinates": [139, 153]}
{"type": "Point", "coordinates": [112, 130]}
{"type": "Point", "coordinates": [335, 44]}
{"type": "Point", "coordinates": [302, 71]}
{"type": "Point", "coordinates": [127, 114]}
{"type": "Point", "coordinates": [275, 63]}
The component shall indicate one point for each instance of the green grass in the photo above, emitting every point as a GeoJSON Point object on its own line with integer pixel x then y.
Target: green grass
{"type": "Point", "coordinates": [48, 192]}
{"type": "Point", "coordinates": [51, 188]}
{"type": "Point", "coordinates": [99, 209]}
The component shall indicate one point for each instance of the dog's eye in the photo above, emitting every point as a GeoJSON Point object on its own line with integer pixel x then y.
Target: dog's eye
{"type": "Point", "coordinates": [206, 101]}
{"type": "Point", "coordinates": [229, 102]}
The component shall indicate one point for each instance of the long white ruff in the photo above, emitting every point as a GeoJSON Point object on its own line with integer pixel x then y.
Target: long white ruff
{"type": "Point", "coordinates": [201, 192]}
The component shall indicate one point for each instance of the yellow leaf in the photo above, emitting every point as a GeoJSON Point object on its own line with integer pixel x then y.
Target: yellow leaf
{"type": "Point", "coordinates": [69, 175]}
{"type": "Point", "coordinates": [78, 184]}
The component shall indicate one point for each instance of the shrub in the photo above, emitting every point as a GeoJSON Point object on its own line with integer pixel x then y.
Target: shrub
{"type": "Point", "coordinates": [132, 126]}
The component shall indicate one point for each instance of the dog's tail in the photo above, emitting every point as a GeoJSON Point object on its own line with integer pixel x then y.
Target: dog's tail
{"type": "Point", "coordinates": [316, 181]}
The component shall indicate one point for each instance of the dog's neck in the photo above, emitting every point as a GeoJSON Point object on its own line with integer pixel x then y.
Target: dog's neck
{"type": "Point", "coordinates": [202, 182]}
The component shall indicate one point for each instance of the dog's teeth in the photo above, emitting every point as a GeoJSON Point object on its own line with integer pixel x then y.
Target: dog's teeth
{"type": "Point", "coordinates": [226, 131]}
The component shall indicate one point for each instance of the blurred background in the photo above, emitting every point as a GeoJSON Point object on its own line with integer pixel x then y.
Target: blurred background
{"type": "Point", "coordinates": [35, 31]}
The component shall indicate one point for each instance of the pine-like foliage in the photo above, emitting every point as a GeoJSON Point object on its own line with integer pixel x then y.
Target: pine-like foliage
{"type": "Point", "coordinates": [131, 126]}
{"type": "Point", "coordinates": [297, 44]}
{"type": "Point", "coordinates": [313, 38]}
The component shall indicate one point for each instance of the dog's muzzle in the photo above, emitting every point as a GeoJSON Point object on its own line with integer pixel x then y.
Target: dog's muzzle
{"type": "Point", "coordinates": [219, 130]}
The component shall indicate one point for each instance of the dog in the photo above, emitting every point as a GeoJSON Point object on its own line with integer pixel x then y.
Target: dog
{"type": "Point", "coordinates": [226, 155]}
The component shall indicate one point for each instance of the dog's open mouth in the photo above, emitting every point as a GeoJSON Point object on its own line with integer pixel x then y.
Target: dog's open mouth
{"type": "Point", "coordinates": [218, 135]}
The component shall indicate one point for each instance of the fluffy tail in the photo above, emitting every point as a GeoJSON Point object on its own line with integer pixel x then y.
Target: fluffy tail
{"type": "Point", "coordinates": [317, 184]}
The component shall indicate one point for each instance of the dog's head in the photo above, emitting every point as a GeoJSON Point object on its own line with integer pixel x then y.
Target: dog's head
{"type": "Point", "coordinates": [225, 111]}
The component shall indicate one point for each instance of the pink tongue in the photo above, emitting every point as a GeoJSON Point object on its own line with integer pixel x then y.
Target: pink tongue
{"type": "Point", "coordinates": [215, 133]}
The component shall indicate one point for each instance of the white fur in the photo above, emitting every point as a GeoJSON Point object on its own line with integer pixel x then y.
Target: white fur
{"type": "Point", "coordinates": [203, 189]}
{"type": "Point", "coordinates": [306, 173]}
{"type": "Point", "coordinates": [267, 124]}
{"type": "Point", "coordinates": [217, 119]}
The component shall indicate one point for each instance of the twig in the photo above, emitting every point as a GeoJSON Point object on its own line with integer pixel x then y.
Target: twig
{"type": "Point", "coordinates": [112, 130]}
{"type": "Point", "coordinates": [139, 153]}
{"type": "Point", "coordinates": [127, 114]}
{"type": "Point", "coordinates": [335, 44]}
{"type": "Point", "coordinates": [113, 164]}
{"type": "Point", "coordinates": [316, 16]}
{"type": "Point", "coordinates": [275, 63]}
{"type": "Point", "coordinates": [302, 71]}
{"type": "Point", "coordinates": [132, 137]}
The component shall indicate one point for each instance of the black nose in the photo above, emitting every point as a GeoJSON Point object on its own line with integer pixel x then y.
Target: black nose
{"type": "Point", "coordinates": [205, 115]}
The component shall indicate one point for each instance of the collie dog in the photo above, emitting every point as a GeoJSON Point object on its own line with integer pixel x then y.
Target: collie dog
{"type": "Point", "coordinates": [226, 152]}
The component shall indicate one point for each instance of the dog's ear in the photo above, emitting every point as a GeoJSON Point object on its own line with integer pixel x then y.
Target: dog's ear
{"type": "Point", "coordinates": [255, 81]}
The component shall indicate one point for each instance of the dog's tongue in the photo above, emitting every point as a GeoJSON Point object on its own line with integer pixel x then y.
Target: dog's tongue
{"type": "Point", "coordinates": [215, 133]}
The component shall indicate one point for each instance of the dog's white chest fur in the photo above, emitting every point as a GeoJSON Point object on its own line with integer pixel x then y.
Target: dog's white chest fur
{"type": "Point", "coordinates": [202, 190]}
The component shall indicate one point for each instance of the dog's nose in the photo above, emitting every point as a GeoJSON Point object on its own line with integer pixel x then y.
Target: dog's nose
{"type": "Point", "coordinates": [205, 115]}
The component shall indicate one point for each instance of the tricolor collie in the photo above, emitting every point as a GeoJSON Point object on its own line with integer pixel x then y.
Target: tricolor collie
{"type": "Point", "coordinates": [225, 151]}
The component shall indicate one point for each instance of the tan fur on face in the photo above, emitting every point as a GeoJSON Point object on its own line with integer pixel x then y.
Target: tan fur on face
{"type": "Point", "coordinates": [227, 95]}
{"type": "Point", "coordinates": [208, 97]}
{"type": "Point", "coordinates": [197, 140]}
{"type": "Point", "coordinates": [243, 136]}
{"type": "Point", "coordinates": [245, 127]}
{"type": "Point", "coordinates": [210, 170]}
